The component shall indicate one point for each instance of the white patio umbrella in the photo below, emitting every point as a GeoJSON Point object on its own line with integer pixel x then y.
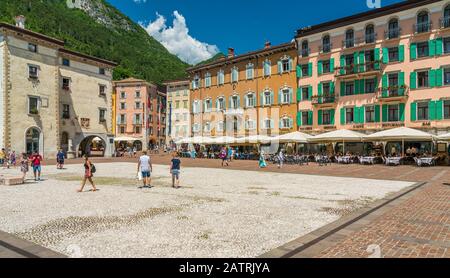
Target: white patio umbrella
{"type": "Point", "coordinates": [294, 137]}
{"type": "Point", "coordinates": [126, 139]}
{"type": "Point", "coordinates": [342, 135]}
{"type": "Point", "coordinates": [401, 134]}
{"type": "Point", "coordinates": [255, 139]}
{"type": "Point", "coordinates": [445, 137]}
{"type": "Point", "coordinates": [224, 140]}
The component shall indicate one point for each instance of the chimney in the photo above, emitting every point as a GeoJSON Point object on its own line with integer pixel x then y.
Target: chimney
{"type": "Point", "coordinates": [267, 45]}
{"type": "Point", "coordinates": [20, 21]}
{"type": "Point", "coordinates": [230, 52]}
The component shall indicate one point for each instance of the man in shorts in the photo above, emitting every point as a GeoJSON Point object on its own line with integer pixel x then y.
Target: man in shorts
{"type": "Point", "coordinates": [145, 166]}
{"type": "Point", "coordinates": [36, 159]}
{"type": "Point", "coordinates": [175, 170]}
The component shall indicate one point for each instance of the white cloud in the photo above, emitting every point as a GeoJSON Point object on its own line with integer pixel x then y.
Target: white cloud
{"type": "Point", "coordinates": [139, 1]}
{"type": "Point", "coordinates": [178, 41]}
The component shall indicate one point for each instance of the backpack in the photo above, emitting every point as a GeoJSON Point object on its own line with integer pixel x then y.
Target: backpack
{"type": "Point", "coordinates": [93, 169]}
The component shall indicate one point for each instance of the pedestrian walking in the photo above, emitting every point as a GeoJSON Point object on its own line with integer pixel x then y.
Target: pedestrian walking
{"type": "Point", "coordinates": [146, 168]}
{"type": "Point", "coordinates": [89, 170]}
{"type": "Point", "coordinates": [2, 157]}
{"type": "Point", "coordinates": [13, 158]}
{"type": "Point", "coordinates": [262, 160]}
{"type": "Point", "coordinates": [60, 159]}
{"type": "Point", "coordinates": [175, 170]}
{"type": "Point", "coordinates": [223, 156]}
{"type": "Point", "coordinates": [229, 154]}
{"type": "Point", "coordinates": [280, 159]}
{"type": "Point", "coordinates": [24, 165]}
{"type": "Point", "coordinates": [36, 160]}
{"type": "Point", "coordinates": [134, 151]}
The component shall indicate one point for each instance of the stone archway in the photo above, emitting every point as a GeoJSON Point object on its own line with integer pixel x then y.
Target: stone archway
{"type": "Point", "coordinates": [92, 146]}
{"type": "Point", "coordinates": [34, 140]}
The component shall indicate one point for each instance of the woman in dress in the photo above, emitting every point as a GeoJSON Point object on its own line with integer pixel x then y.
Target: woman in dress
{"type": "Point", "coordinates": [88, 174]}
{"type": "Point", "coordinates": [262, 160]}
{"type": "Point", "coordinates": [24, 165]}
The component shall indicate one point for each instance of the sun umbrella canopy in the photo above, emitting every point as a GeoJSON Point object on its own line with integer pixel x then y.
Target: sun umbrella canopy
{"type": "Point", "coordinates": [294, 137]}
{"type": "Point", "coordinates": [338, 135]}
{"type": "Point", "coordinates": [224, 140]}
{"type": "Point", "coordinates": [255, 139]}
{"type": "Point", "coordinates": [445, 137]}
{"type": "Point", "coordinates": [401, 133]}
{"type": "Point", "coordinates": [126, 139]}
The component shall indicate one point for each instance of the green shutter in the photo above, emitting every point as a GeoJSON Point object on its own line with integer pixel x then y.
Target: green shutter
{"type": "Point", "coordinates": [413, 80]}
{"type": "Point", "coordinates": [362, 112]}
{"type": "Point", "coordinates": [342, 116]}
{"type": "Point", "coordinates": [401, 53]}
{"type": "Point", "coordinates": [355, 62]}
{"type": "Point", "coordinates": [362, 67]}
{"type": "Point", "coordinates": [356, 84]}
{"type": "Point", "coordinates": [362, 84]}
{"type": "Point", "coordinates": [319, 90]}
{"type": "Point", "coordinates": [385, 113]}
{"type": "Point", "coordinates": [342, 65]}
{"type": "Point", "coordinates": [342, 88]}
{"type": "Point", "coordinates": [299, 118]}
{"type": "Point", "coordinates": [332, 88]}
{"type": "Point", "coordinates": [377, 113]}
{"type": "Point", "coordinates": [413, 111]}
{"type": "Point", "coordinates": [439, 47]}
{"type": "Point", "coordinates": [401, 82]}
{"type": "Point", "coordinates": [413, 51]}
{"type": "Point", "coordinates": [432, 77]}
{"type": "Point", "coordinates": [332, 112]}
{"type": "Point", "coordinates": [439, 77]}
{"type": "Point", "coordinates": [310, 92]}
{"type": "Point", "coordinates": [432, 48]}
{"type": "Point", "coordinates": [310, 117]}
{"type": "Point", "coordinates": [356, 115]}
{"type": "Point", "coordinates": [431, 110]}
{"type": "Point", "coordinates": [385, 85]}
{"type": "Point", "coordinates": [299, 71]}
{"type": "Point", "coordinates": [439, 110]}
{"type": "Point", "coordinates": [385, 55]}
{"type": "Point", "coordinates": [377, 58]}
{"type": "Point", "coordinates": [401, 107]}
{"type": "Point", "coordinates": [332, 64]}
{"type": "Point", "coordinates": [299, 94]}
{"type": "Point", "coordinates": [320, 67]}
{"type": "Point", "coordinates": [319, 116]}
{"type": "Point", "coordinates": [310, 65]}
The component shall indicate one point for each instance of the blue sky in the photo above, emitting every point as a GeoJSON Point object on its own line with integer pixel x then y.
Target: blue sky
{"type": "Point", "coordinates": [203, 27]}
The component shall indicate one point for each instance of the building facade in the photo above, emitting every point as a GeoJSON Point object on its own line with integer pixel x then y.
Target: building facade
{"type": "Point", "coordinates": [178, 124]}
{"type": "Point", "coordinates": [245, 95]}
{"type": "Point", "coordinates": [377, 70]}
{"type": "Point", "coordinates": [51, 97]}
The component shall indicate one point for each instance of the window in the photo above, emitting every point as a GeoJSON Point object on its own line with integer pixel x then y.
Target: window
{"type": "Point", "coordinates": [369, 85]}
{"type": "Point", "coordinates": [123, 106]}
{"type": "Point", "coordinates": [186, 92]}
{"type": "Point", "coordinates": [446, 45]}
{"type": "Point", "coordinates": [305, 70]}
{"type": "Point", "coordinates": [122, 120]}
{"type": "Point", "coordinates": [370, 114]}
{"type": "Point", "coordinates": [196, 107]}
{"type": "Point", "coordinates": [102, 90]}
{"type": "Point", "coordinates": [286, 65]}
{"type": "Point", "coordinates": [267, 98]}
{"type": "Point", "coordinates": [285, 122]}
{"type": "Point", "coordinates": [393, 54]}
{"type": "Point", "coordinates": [305, 93]}
{"type": "Point", "coordinates": [207, 127]}
{"type": "Point", "coordinates": [423, 49]}
{"type": "Point", "coordinates": [66, 83]}
{"type": "Point", "coordinates": [220, 126]}
{"type": "Point", "coordinates": [32, 47]}
{"type": "Point", "coordinates": [235, 124]}
{"type": "Point", "coordinates": [150, 118]}
{"type": "Point", "coordinates": [102, 115]}
{"type": "Point", "coordinates": [326, 66]}
{"type": "Point", "coordinates": [393, 29]}
{"type": "Point", "coordinates": [446, 20]}
{"type": "Point", "coordinates": [122, 129]}
{"type": "Point", "coordinates": [185, 104]}
{"type": "Point", "coordinates": [447, 109]}
{"type": "Point", "coordinates": [220, 78]}
{"type": "Point", "coordinates": [208, 105]}
{"type": "Point", "coordinates": [249, 71]}
{"type": "Point", "coordinates": [196, 82]}
{"type": "Point", "coordinates": [123, 95]}
{"type": "Point", "coordinates": [234, 102]}
{"type": "Point", "coordinates": [369, 58]}
{"type": "Point", "coordinates": [267, 68]}
{"type": "Point", "coordinates": [137, 105]}
{"type": "Point", "coordinates": [370, 34]}
{"type": "Point", "coordinates": [137, 94]}
{"type": "Point", "coordinates": [137, 119]}
{"type": "Point", "coordinates": [66, 62]}
{"type": "Point", "coordinates": [326, 88]}
{"type": "Point", "coordinates": [150, 130]}
{"type": "Point", "coordinates": [349, 38]}
{"type": "Point", "coordinates": [177, 104]}
{"type": "Point", "coordinates": [349, 115]}
{"type": "Point", "coordinates": [326, 117]}
{"type": "Point", "coordinates": [250, 124]}
{"type": "Point", "coordinates": [393, 113]}
{"type": "Point", "coordinates": [305, 118]}
{"type": "Point", "coordinates": [422, 79]}
{"type": "Point", "coordinates": [234, 75]}
{"type": "Point", "coordinates": [423, 23]}
{"type": "Point", "coordinates": [33, 105]}
{"type": "Point", "coordinates": [267, 124]}
{"type": "Point", "coordinates": [305, 49]}
{"type": "Point", "coordinates": [207, 81]}
{"type": "Point", "coordinates": [101, 71]}
{"type": "Point", "coordinates": [285, 96]}
{"type": "Point", "coordinates": [251, 100]}
{"type": "Point", "coordinates": [66, 111]}
{"type": "Point", "coordinates": [349, 88]}
{"type": "Point", "coordinates": [137, 129]}
{"type": "Point", "coordinates": [447, 76]}
{"type": "Point", "coordinates": [33, 72]}
{"type": "Point", "coordinates": [422, 111]}
{"type": "Point", "coordinates": [326, 44]}
{"type": "Point", "coordinates": [393, 84]}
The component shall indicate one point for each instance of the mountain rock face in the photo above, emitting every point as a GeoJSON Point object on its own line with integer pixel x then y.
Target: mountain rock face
{"type": "Point", "coordinates": [97, 28]}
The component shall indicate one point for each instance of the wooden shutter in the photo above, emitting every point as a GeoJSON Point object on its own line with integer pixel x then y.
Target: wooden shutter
{"type": "Point", "coordinates": [385, 55]}
{"type": "Point", "coordinates": [401, 53]}
{"type": "Point", "coordinates": [413, 51]}
{"type": "Point", "coordinates": [299, 118]}
{"type": "Point", "coordinates": [439, 47]}
{"type": "Point", "coordinates": [342, 114]}
{"type": "Point", "coordinates": [342, 65]}
{"type": "Point", "coordinates": [439, 110]}
{"type": "Point", "coordinates": [432, 78]}
{"type": "Point", "coordinates": [299, 94]}
{"type": "Point", "coordinates": [332, 65]}
{"type": "Point", "coordinates": [413, 111]}
{"type": "Point", "coordinates": [319, 90]}
{"type": "Point", "coordinates": [377, 58]}
{"type": "Point", "coordinates": [310, 66]}
{"type": "Point", "coordinates": [385, 113]}
{"type": "Point", "coordinates": [439, 77]}
{"type": "Point", "coordinates": [432, 48]}
{"type": "Point", "coordinates": [332, 116]}
{"type": "Point", "coordinates": [384, 85]}
{"type": "Point", "coordinates": [342, 93]}
{"type": "Point", "coordinates": [310, 117]}
{"type": "Point", "coordinates": [310, 92]}
{"type": "Point", "coordinates": [413, 80]}
{"type": "Point", "coordinates": [401, 107]}
{"type": "Point", "coordinates": [319, 116]}
{"type": "Point", "coordinates": [377, 113]}
{"type": "Point", "coordinates": [401, 82]}
{"type": "Point", "coordinates": [319, 67]}
{"type": "Point", "coordinates": [299, 71]}
{"type": "Point", "coordinates": [431, 110]}
{"type": "Point", "coordinates": [362, 67]}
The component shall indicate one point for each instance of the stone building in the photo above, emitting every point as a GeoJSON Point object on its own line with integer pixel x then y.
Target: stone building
{"type": "Point", "coordinates": [178, 123]}
{"type": "Point", "coordinates": [51, 97]}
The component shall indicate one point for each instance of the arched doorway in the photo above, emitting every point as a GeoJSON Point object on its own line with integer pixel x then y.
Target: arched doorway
{"type": "Point", "coordinates": [65, 142]}
{"type": "Point", "coordinates": [32, 140]}
{"type": "Point", "coordinates": [137, 145]}
{"type": "Point", "coordinates": [93, 146]}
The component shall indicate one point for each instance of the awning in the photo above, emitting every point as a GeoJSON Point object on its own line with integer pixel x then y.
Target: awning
{"type": "Point", "coordinates": [294, 137]}
{"type": "Point", "coordinates": [126, 139]}
{"type": "Point", "coordinates": [255, 139]}
{"type": "Point", "coordinates": [445, 137]}
{"type": "Point", "coordinates": [224, 140]}
{"type": "Point", "coordinates": [401, 133]}
{"type": "Point", "coordinates": [342, 135]}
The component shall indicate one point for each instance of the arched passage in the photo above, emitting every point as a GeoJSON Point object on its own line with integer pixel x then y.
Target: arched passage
{"type": "Point", "coordinates": [92, 146]}
{"type": "Point", "coordinates": [33, 140]}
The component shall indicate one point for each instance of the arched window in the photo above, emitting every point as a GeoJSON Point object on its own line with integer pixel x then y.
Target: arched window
{"type": "Point", "coordinates": [446, 19]}
{"type": "Point", "coordinates": [305, 48]}
{"type": "Point", "coordinates": [249, 71]}
{"type": "Point", "coordinates": [234, 74]}
{"type": "Point", "coordinates": [423, 22]}
{"type": "Point", "coordinates": [207, 80]}
{"type": "Point", "coordinates": [220, 77]}
{"type": "Point", "coordinates": [32, 140]}
{"type": "Point", "coordinates": [393, 29]}
{"type": "Point", "coordinates": [326, 44]}
{"type": "Point", "coordinates": [349, 38]}
{"type": "Point", "coordinates": [267, 66]}
{"type": "Point", "coordinates": [370, 34]}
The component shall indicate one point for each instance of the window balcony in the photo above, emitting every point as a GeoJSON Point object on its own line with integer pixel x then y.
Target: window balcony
{"type": "Point", "coordinates": [422, 27]}
{"type": "Point", "coordinates": [393, 93]}
{"type": "Point", "coordinates": [325, 48]}
{"type": "Point", "coordinates": [445, 22]}
{"type": "Point", "coordinates": [348, 43]}
{"type": "Point", "coordinates": [392, 33]}
{"type": "Point", "coordinates": [323, 100]}
{"type": "Point", "coordinates": [346, 70]}
{"type": "Point", "coordinates": [370, 38]}
{"type": "Point", "coordinates": [305, 52]}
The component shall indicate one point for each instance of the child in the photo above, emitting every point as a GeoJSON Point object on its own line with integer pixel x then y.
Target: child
{"type": "Point", "coordinates": [24, 165]}
{"type": "Point", "coordinates": [175, 170]}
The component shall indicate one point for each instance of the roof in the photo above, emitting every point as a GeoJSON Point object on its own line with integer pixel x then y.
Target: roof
{"type": "Point", "coordinates": [281, 47]}
{"type": "Point", "coordinates": [349, 20]}
{"type": "Point", "coordinates": [176, 81]}
{"type": "Point", "coordinates": [132, 80]}
{"type": "Point", "coordinates": [31, 33]}
{"type": "Point", "coordinates": [85, 56]}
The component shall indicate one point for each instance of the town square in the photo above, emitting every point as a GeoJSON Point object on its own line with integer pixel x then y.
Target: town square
{"type": "Point", "coordinates": [124, 137]}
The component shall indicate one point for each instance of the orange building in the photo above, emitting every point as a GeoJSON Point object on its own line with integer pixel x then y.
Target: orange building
{"type": "Point", "coordinates": [245, 95]}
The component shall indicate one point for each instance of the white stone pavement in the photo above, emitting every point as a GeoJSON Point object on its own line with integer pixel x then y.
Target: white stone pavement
{"type": "Point", "coordinates": [218, 213]}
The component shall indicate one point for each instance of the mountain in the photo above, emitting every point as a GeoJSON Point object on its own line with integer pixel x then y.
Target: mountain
{"type": "Point", "coordinates": [97, 28]}
{"type": "Point", "coordinates": [216, 57]}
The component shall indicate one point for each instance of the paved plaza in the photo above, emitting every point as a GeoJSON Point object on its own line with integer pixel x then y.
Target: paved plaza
{"type": "Point", "coordinates": [217, 213]}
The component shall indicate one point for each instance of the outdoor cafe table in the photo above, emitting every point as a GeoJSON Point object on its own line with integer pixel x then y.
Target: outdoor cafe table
{"type": "Point", "coordinates": [393, 160]}
{"type": "Point", "coordinates": [367, 159]}
{"type": "Point", "coordinates": [426, 160]}
{"type": "Point", "coordinates": [344, 159]}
